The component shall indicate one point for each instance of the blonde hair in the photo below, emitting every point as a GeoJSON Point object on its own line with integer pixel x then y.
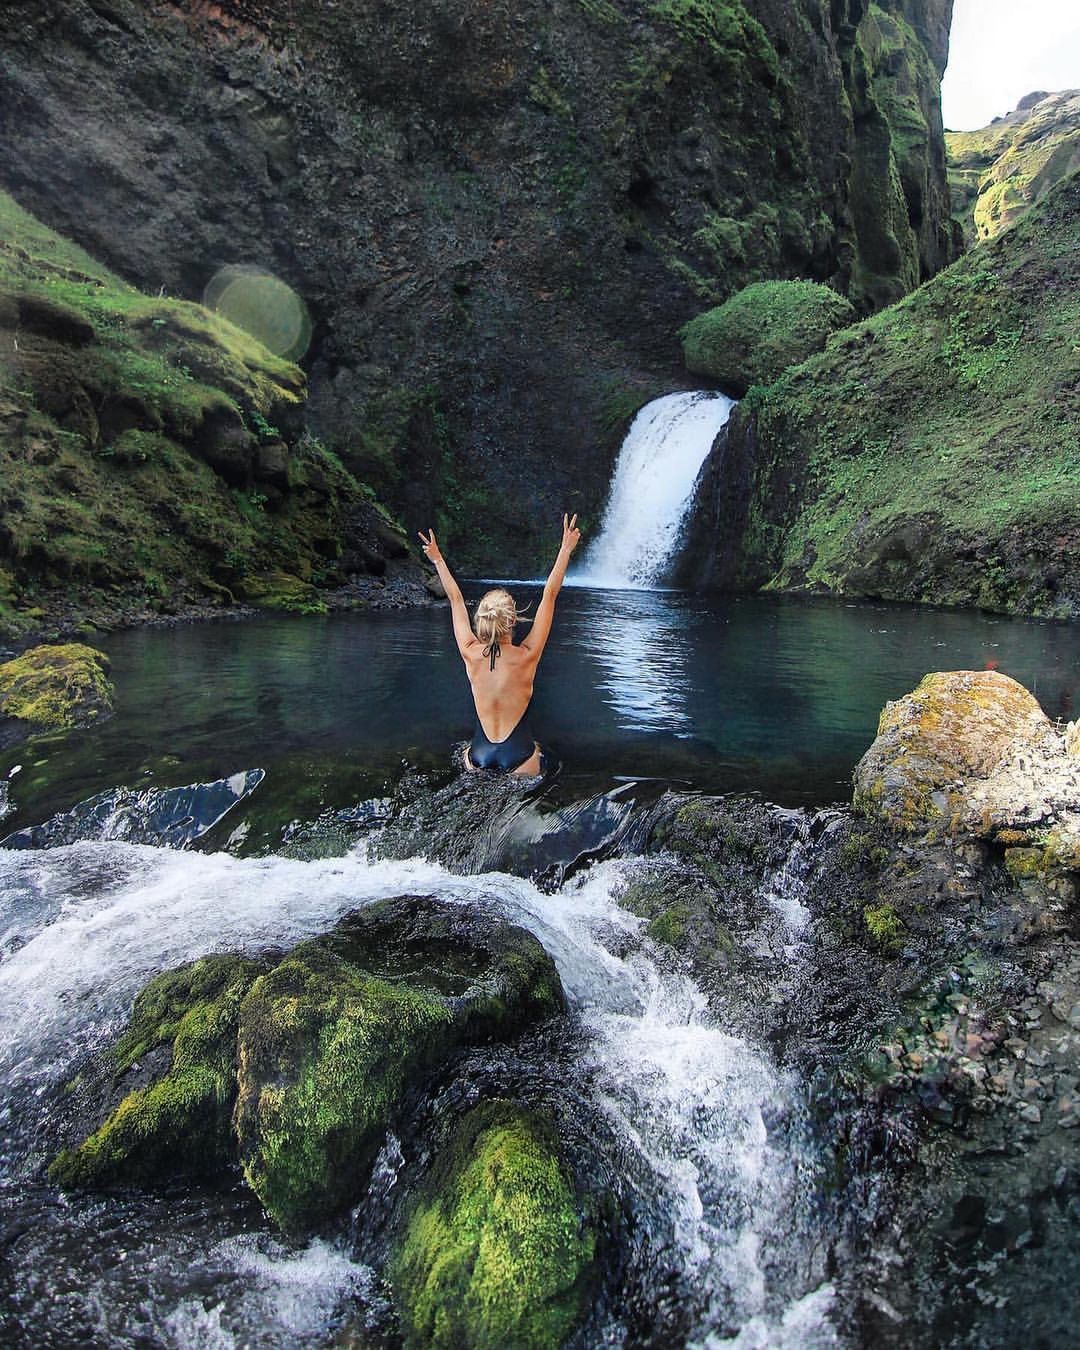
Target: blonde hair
{"type": "Point", "coordinates": [496, 615]}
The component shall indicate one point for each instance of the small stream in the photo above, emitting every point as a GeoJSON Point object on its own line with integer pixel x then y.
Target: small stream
{"type": "Point", "coordinates": [708, 1135]}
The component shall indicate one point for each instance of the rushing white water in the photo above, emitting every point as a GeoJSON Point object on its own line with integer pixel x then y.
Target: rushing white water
{"type": "Point", "coordinates": [710, 1128]}
{"type": "Point", "coordinates": [651, 492]}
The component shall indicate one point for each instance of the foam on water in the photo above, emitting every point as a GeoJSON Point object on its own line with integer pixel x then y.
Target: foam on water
{"type": "Point", "coordinates": [711, 1126]}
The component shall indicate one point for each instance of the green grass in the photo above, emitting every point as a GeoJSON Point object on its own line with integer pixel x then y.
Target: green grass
{"type": "Point", "coordinates": [932, 452]}
{"type": "Point", "coordinates": [120, 414]}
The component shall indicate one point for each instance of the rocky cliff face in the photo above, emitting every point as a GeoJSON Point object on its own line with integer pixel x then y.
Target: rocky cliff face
{"type": "Point", "coordinates": [499, 211]}
{"type": "Point", "coordinates": [999, 171]}
{"type": "Point", "coordinates": [929, 453]}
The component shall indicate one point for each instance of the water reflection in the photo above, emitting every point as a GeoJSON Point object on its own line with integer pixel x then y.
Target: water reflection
{"type": "Point", "coordinates": [641, 644]}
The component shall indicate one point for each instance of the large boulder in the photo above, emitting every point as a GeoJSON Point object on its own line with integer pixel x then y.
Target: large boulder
{"type": "Point", "coordinates": [764, 328]}
{"type": "Point", "coordinates": [970, 754]}
{"type": "Point", "coordinates": [53, 688]}
{"type": "Point", "coordinates": [298, 1067]}
{"type": "Point", "coordinates": [498, 1249]}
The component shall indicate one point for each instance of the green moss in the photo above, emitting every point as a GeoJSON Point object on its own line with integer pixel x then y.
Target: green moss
{"type": "Point", "coordinates": [497, 1252]}
{"type": "Point", "coordinates": [279, 590]}
{"type": "Point", "coordinates": [932, 453]}
{"type": "Point", "coordinates": [997, 173]}
{"type": "Point", "coordinates": [884, 926]}
{"type": "Point", "coordinates": [141, 419]}
{"type": "Point", "coordinates": [55, 688]}
{"type": "Point", "coordinates": [670, 926]}
{"type": "Point", "coordinates": [761, 330]}
{"type": "Point", "coordinates": [183, 1120]}
{"type": "Point", "coordinates": [326, 1052]}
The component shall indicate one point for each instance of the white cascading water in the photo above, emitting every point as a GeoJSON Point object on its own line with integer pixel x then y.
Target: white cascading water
{"type": "Point", "coordinates": [651, 492]}
{"type": "Point", "coordinates": [711, 1126]}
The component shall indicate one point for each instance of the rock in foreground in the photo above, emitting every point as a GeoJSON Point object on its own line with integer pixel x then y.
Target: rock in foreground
{"type": "Point", "coordinates": [317, 1051]}
{"type": "Point", "coordinates": [496, 1251]}
{"type": "Point", "coordinates": [971, 754]}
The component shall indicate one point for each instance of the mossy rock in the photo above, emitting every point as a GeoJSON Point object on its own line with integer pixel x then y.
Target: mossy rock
{"type": "Point", "coordinates": [955, 726]}
{"type": "Point", "coordinates": [762, 330]}
{"type": "Point", "coordinates": [281, 590]}
{"type": "Point", "coordinates": [186, 1020]}
{"type": "Point", "coordinates": [297, 1068]}
{"type": "Point", "coordinates": [498, 1251]}
{"type": "Point", "coordinates": [55, 688]}
{"type": "Point", "coordinates": [332, 1039]}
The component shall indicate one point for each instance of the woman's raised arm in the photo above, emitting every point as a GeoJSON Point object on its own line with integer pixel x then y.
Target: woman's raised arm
{"type": "Point", "coordinates": [462, 627]}
{"type": "Point", "coordinates": [545, 610]}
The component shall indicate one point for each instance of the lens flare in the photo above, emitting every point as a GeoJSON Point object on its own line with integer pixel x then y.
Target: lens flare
{"type": "Point", "coordinates": [264, 306]}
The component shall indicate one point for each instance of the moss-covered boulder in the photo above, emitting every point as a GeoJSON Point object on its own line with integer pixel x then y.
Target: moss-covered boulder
{"type": "Point", "coordinates": [498, 1251]}
{"type": "Point", "coordinates": [764, 328]}
{"type": "Point", "coordinates": [296, 1067]}
{"type": "Point", "coordinates": [970, 754]}
{"type": "Point", "coordinates": [332, 1038]}
{"type": "Point", "coordinates": [181, 1041]}
{"type": "Point", "coordinates": [53, 688]}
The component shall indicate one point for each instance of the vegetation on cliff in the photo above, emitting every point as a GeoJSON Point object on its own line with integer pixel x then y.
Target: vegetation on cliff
{"type": "Point", "coordinates": [997, 173]}
{"type": "Point", "coordinates": [930, 453]}
{"type": "Point", "coordinates": [497, 213]}
{"type": "Point", "coordinates": [147, 445]}
{"type": "Point", "coordinates": [753, 337]}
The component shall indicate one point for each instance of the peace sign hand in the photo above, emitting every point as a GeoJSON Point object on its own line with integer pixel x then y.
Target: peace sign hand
{"type": "Point", "coordinates": [430, 546]}
{"type": "Point", "coordinates": [570, 533]}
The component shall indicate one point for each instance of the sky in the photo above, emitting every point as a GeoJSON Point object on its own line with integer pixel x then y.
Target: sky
{"type": "Point", "coordinates": [1000, 50]}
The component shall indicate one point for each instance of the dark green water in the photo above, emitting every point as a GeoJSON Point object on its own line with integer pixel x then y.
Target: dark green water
{"type": "Point", "coordinates": [772, 694]}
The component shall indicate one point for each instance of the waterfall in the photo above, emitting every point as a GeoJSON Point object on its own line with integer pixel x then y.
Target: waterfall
{"type": "Point", "coordinates": [651, 491]}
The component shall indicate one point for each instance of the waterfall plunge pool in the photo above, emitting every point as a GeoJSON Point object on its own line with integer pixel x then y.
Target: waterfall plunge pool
{"type": "Point", "coordinates": [775, 694]}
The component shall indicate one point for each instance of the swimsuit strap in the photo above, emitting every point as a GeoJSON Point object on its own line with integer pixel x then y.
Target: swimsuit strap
{"type": "Point", "coordinates": [494, 650]}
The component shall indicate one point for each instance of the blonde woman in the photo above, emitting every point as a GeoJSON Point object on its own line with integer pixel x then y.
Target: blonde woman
{"type": "Point", "coordinates": [500, 673]}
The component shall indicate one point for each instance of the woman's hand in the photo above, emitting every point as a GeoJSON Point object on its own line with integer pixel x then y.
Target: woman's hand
{"type": "Point", "coordinates": [570, 533]}
{"type": "Point", "coordinates": [431, 547]}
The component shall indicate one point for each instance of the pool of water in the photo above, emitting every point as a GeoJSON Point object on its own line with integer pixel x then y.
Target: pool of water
{"type": "Point", "coordinates": [774, 694]}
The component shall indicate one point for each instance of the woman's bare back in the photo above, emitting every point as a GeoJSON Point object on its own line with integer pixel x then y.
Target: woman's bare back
{"type": "Point", "coordinates": [501, 695]}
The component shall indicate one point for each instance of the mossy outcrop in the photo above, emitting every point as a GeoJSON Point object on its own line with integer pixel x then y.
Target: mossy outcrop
{"type": "Point", "coordinates": [53, 688]}
{"type": "Point", "coordinates": [148, 446]}
{"type": "Point", "coordinates": [296, 1067]}
{"type": "Point", "coordinates": [456, 187]}
{"type": "Point", "coordinates": [753, 337]}
{"type": "Point", "coordinates": [971, 755]}
{"type": "Point", "coordinates": [929, 453]}
{"type": "Point", "coordinates": [184, 1026]}
{"type": "Point", "coordinates": [996, 174]}
{"type": "Point", "coordinates": [498, 1250]}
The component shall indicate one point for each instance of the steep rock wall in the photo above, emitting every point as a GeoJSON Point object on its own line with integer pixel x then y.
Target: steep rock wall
{"type": "Point", "coordinates": [929, 453]}
{"type": "Point", "coordinates": [499, 211]}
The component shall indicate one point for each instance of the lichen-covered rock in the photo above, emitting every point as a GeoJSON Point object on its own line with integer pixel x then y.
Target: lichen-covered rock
{"type": "Point", "coordinates": [182, 1036]}
{"type": "Point", "coordinates": [497, 1251]}
{"type": "Point", "coordinates": [972, 755]}
{"type": "Point", "coordinates": [54, 688]}
{"type": "Point", "coordinates": [761, 330]}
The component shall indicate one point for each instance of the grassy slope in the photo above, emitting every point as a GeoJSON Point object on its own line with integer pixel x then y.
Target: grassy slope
{"type": "Point", "coordinates": [139, 442]}
{"type": "Point", "coordinates": [932, 452]}
{"type": "Point", "coordinates": [997, 172]}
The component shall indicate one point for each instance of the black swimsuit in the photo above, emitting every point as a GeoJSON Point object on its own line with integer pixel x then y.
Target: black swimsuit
{"type": "Point", "coordinates": [506, 755]}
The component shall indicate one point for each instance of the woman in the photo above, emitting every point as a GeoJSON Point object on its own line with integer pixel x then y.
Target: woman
{"type": "Point", "coordinates": [501, 674]}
